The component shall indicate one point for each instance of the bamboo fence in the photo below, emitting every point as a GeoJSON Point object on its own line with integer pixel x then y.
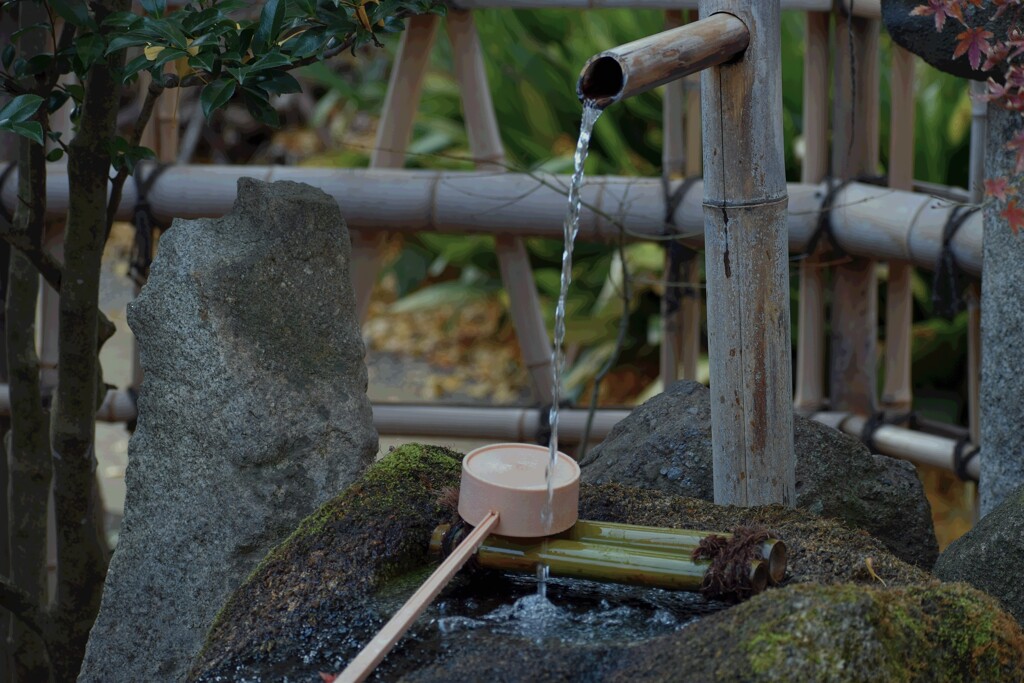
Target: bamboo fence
{"type": "Point", "coordinates": [869, 223]}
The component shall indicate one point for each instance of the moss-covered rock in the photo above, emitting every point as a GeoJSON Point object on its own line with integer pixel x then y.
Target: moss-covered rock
{"type": "Point", "coordinates": [323, 593]}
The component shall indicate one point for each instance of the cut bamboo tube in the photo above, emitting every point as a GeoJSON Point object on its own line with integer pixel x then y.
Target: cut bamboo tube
{"type": "Point", "coordinates": [488, 152]}
{"type": "Point", "coordinates": [693, 303]}
{"type": "Point", "coordinates": [869, 8]}
{"type": "Point", "coordinates": [810, 350]}
{"type": "Point", "coordinates": [897, 394]}
{"type": "Point", "coordinates": [393, 132]}
{"type": "Point", "coordinates": [598, 562]}
{"type": "Point", "coordinates": [853, 371]}
{"type": "Point", "coordinates": [655, 60]}
{"type": "Point", "coordinates": [870, 221]}
{"type": "Point", "coordinates": [747, 266]}
{"type": "Point", "coordinates": [773, 551]}
{"type": "Point", "coordinates": [375, 651]}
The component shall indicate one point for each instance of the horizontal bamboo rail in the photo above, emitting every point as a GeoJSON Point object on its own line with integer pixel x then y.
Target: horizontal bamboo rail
{"type": "Point", "coordinates": [868, 220]}
{"type": "Point", "coordinates": [645, 64]}
{"type": "Point", "coordinates": [861, 8]}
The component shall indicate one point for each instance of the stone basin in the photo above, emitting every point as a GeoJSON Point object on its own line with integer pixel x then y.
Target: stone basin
{"type": "Point", "coordinates": [321, 594]}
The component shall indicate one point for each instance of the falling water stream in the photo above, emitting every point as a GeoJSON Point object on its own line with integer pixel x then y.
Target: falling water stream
{"type": "Point", "coordinates": [591, 112]}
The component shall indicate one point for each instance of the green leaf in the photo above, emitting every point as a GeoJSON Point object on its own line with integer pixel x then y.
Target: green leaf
{"type": "Point", "coordinates": [259, 108]}
{"type": "Point", "coordinates": [216, 95]}
{"type": "Point", "coordinates": [202, 61]}
{"type": "Point", "coordinates": [442, 294]}
{"type": "Point", "coordinates": [129, 40]}
{"type": "Point", "coordinates": [56, 100]}
{"type": "Point", "coordinates": [154, 7]}
{"type": "Point", "coordinates": [44, 27]}
{"type": "Point", "coordinates": [21, 108]}
{"type": "Point", "coordinates": [32, 130]}
{"type": "Point", "coordinates": [306, 43]}
{"type": "Point", "coordinates": [55, 154]}
{"type": "Point", "coordinates": [90, 49]}
{"type": "Point", "coordinates": [132, 68]}
{"type": "Point", "coordinates": [7, 56]}
{"type": "Point", "coordinates": [271, 19]}
{"type": "Point", "coordinates": [74, 12]}
{"type": "Point", "coordinates": [122, 20]}
{"type": "Point", "coordinates": [167, 29]}
{"type": "Point", "coordinates": [278, 83]}
{"type": "Point", "coordinates": [271, 60]}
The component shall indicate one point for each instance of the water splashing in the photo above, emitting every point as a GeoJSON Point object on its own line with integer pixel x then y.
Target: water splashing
{"type": "Point", "coordinates": [570, 228]}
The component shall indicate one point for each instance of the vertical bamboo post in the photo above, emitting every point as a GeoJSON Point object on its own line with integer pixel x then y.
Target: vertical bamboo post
{"type": "Point", "coordinates": [747, 265]}
{"type": "Point", "coordinates": [810, 350]}
{"type": "Point", "coordinates": [673, 163]}
{"type": "Point", "coordinates": [979, 135]}
{"type": "Point", "coordinates": [897, 394]}
{"type": "Point", "coordinates": [853, 372]}
{"type": "Point", "coordinates": [487, 149]}
{"type": "Point", "coordinates": [692, 306]}
{"type": "Point", "coordinates": [393, 132]}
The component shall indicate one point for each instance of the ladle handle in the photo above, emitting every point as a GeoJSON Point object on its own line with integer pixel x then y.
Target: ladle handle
{"type": "Point", "coordinates": [375, 651]}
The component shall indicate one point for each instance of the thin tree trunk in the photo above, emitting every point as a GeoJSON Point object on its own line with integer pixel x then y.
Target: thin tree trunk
{"type": "Point", "coordinates": [81, 560]}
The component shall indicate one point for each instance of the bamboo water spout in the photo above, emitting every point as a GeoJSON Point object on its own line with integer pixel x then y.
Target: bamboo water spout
{"type": "Point", "coordinates": [644, 64]}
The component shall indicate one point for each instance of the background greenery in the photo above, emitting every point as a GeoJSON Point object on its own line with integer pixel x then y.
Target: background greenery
{"type": "Point", "coordinates": [533, 59]}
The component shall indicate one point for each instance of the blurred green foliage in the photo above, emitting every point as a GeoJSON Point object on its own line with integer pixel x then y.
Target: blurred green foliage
{"type": "Point", "coordinates": [533, 60]}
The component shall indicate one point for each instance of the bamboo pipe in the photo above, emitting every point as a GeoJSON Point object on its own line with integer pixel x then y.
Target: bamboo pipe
{"type": "Point", "coordinates": [869, 221]}
{"type": "Point", "coordinates": [597, 562]}
{"type": "Point", "coordinates": [644, 64]}
{"type": "Point", "coordinates": [773, 551]}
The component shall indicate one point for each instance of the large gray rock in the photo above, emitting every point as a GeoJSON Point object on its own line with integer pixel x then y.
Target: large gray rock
{"type": "Point", "coordinates": [1002, 318]}
{"type": "Point", "coordinates": [253, 412]}
{"type": "Point", "coordinates": [919, 34]}
{"type": "Point", "coordinates": [990, 555]}
{"type": "Point", "coordinates": [665, 444]}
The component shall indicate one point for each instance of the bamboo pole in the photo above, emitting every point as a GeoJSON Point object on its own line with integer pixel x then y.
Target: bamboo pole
{"type": "Point", "coordinates": [899, 442]}
{"type": "Point", "coordinates": [693, 303]}
{"type": "Point", "coordinates": [810, 350]}
{"type": "Point", "coordinates": [979, 135]}
{"type": "Point", "coordinates": [869, 221]}
{"type": "Point", "coordinates": [644, 64]}
{"type": "Point", "coordinates": [868, 8]}
{"type": "Point", "coordinates": [673, 164]}
{"type": "Point", "coordinates": [598, 562]}
{"type": "Point", "coordinates": [897, 393]}
{"type": "Point", "coordinates": [393, 133]}
{"type": "Point", "coordinates": [747, 266]}
{"type": "Point", "coordinates": [853, 372]}
{"type": "Point", "coordinates": [488, 151]}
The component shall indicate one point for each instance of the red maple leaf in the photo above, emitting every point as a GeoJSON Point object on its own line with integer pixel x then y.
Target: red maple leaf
{"type": "Point", "coordinates": [1016, 143]}
{"type": "Point", "coordinates": [941, 9]}
{"type": "Point", "coordinates": [1014, 214]}
{"type": "Point", "coordinates": [996, 187]}
{"type": "Point", "coordinates": [973, 41]}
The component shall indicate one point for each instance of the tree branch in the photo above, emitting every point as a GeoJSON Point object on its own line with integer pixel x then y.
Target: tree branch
{"type": "Point", "coordinates": [24, 609]}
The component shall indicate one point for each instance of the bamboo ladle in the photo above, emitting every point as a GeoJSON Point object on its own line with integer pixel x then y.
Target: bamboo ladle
{"type": "Point", "coordinates": [503, 491]}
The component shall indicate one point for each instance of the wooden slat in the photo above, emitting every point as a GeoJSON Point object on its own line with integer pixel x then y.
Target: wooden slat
{"type": "Point", "coordinates": [810, 354]}
{"type": "Point", "coordinates": [393, 132]}
{"type": "Point", "coordinates": [853, 372]}
{"type": "Point", "coordinates": [897, 394]}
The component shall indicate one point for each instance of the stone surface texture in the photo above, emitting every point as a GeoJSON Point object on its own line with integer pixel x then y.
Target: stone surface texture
{"type": "Point", "coordinates": [665, 444]}
{"type": "Point", "coordinates": [1002, 319]}
{"type": "Point", "coordinates": [253, 412]}
{"type": "Point", "coordinates": [990, 555]}
{"type": "Point", "coordinates": [307, 610]}
{"type": "Point", "coordinates": [919, 35]}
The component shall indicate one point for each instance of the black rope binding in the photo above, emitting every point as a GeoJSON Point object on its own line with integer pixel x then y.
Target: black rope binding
{"type": "Point", "coordinates": [962, 456]}
{"type": "Point", "coordinates": [145, 225]}
{"type": "Point", "coordinates": [947, 281]}
{"type": "Point", "coordinates": [824, 228]}
{"type": "Point", "coordinates": [880, 419]}
{"type": "Point", "coordinates": [6, 215]}
{"type": "Point", "coordinates": [543, 435]}
{"type": "Point", "coordinates": [678, 253]}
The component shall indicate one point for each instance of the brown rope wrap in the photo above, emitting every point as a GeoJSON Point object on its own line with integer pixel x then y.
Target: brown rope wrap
{"type": "Point", "coordinates": [728, 577]}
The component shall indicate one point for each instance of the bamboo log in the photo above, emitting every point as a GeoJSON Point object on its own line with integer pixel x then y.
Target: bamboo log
{"type": "Point", "coordinates": [393, 133]}
{"type": "Point", "coordinates": [979, 135]}
{"type": "Point", "coordinates": [865, 8]}
{"type": "Point", "coordinates": [692, 306]}
{"type": "Point", "coordinates": [869, 221]}
{"type": "Point", "coordinates": [810, 350]}
{"type": "Point", "coordinates": [747, 268]}
{"type": "Point", "coordinates": [645, 64]}
{"type": "Point", "coordinates": [489, 153]}
{"type": "Point", "coordinates": [897, 393]}
{"type": "Point", "coordinates": [773, 551]}
{"type": "Point", "coordinates": [597, 562]}
{"type": "Point", "coordinates": [853, 372]}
